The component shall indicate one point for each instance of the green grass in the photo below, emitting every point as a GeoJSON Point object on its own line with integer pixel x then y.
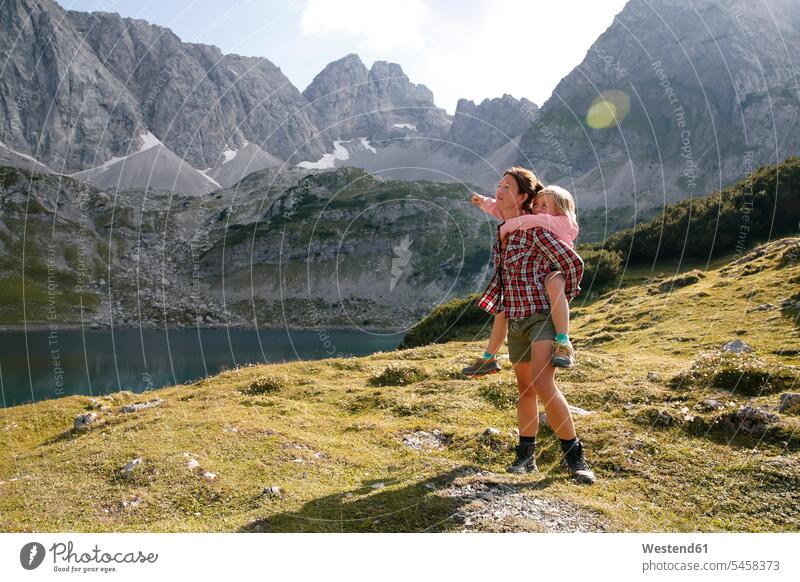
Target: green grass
{"type": "Point", "coordinates": [327, 432]}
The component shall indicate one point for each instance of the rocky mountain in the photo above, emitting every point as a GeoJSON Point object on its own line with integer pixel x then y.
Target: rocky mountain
{"type": "Point", "coordinates": [86, 94]}
{"type": "Point", "coordinates": [675, 100]}
{"type": "Point", "coordinates": [80, 88]}
{"type": "Point", "coordinates": [379, 103]}
{"type": "Point", "coordinates": [345, 246]}
{"type": "Point", "coordinates": [392, 127]}
{"type": "Point", "coordinates": [237, 163]}
{"type": "Point", "coordinates": [154, 166]}
{"type": "Point", "coordinates": [491, 125]}
{"type": "Point", "coordinates": [284, 245]}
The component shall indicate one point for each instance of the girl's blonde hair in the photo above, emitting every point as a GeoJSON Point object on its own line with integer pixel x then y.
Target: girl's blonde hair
{"type": "Point", "coordinates": [563, 200]}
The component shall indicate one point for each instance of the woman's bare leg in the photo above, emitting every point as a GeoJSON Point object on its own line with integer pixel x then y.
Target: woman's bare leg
{"type": "Point", "coordinates": [554, 284]}
{"type": "Point", "coordinates": [555, 405]}
{"type": "Point", "coordinates": [499, 331]}
{"type": "Point", "coordinates": [527, 410]}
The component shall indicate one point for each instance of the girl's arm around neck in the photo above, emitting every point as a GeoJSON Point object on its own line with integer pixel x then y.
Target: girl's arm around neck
{"type": "Point", "coordinates": [559, 225]}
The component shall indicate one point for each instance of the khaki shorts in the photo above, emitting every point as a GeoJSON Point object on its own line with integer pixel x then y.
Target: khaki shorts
{"type": "Point", "coordinates": [523, 332]}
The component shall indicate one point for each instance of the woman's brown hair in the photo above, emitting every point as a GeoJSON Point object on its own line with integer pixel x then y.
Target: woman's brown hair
{"type": "Point", "coordinates": [527, 183]}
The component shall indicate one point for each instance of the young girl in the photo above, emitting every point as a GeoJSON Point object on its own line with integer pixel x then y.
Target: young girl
{"type": "Point", "coordinates": [554, 210]}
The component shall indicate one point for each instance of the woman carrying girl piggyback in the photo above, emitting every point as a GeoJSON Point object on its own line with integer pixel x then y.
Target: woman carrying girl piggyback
{"type": "Point", "coordinates": [554, 210]}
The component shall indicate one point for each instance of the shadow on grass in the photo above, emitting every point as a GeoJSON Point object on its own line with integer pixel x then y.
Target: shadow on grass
{"type": "Point", "coordinates": [414, 508]}
{"type": "Point", "coordinates": [115, 420]}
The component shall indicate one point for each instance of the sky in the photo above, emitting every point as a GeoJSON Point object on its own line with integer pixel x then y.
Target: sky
{"type": "Point", "coordinates": [473, 49]}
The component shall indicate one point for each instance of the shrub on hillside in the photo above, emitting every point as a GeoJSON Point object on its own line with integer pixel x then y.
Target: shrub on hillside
{"type": "Point", "coordinates": [265, 385]}
{"type": "Point", "coordinates": [397, 375]}
{"type": "Point", "coordinates": [600, 266]}
{"type": "Point", "coordinates": [767, 205]}
{"type": "Point", "coordinates": [738, 373]}
{"type": "Point", "coordinates": [439, 326]}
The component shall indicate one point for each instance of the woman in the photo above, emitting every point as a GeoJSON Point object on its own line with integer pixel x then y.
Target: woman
{"type": "Point", "coordinates": [522, 261]}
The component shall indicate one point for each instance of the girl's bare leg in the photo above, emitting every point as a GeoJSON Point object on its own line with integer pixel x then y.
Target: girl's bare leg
{"type": "Point", "coordinates": [499, 331]}
{"type": "Point", "coordinates": [554, 284]}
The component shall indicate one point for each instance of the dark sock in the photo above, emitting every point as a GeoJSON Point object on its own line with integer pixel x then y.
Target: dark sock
{"type": "Point", "coordinates": [527, 440]}
{"type": "Point", "coordinates": [567, 444]}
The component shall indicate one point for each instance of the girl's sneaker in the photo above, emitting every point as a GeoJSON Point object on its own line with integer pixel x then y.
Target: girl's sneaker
{"type": "Point", "coordinates": [563, 355]}
{"type": "Point", "coordinates": [481, 367]}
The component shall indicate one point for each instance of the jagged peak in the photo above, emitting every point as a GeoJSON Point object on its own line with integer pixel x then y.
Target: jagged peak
{"type": "Point", "coordinates": [350, 60]}
{"type": "Point", "coordinates": [383, 69]}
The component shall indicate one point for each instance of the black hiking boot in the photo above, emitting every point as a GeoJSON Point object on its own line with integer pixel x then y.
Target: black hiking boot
{"type": "Point", "coordinates": [524, 460]}
{"type": "Point", "coordinates": [574, 460]}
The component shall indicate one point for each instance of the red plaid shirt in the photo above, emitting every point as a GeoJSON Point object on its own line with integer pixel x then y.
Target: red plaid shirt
{"type": "Point", "coordinates": [517, 286]}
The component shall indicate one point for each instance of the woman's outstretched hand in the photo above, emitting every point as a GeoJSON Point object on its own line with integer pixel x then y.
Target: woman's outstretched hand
{"type": "Point", "coordinates": [476, 199]}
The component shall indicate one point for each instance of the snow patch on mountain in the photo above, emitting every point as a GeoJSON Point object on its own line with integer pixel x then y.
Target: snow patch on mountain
{"type": "Point", "coordinates": [328, 160]}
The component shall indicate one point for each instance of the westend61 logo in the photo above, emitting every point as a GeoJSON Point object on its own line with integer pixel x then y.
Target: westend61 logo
{"type": "Point", "coordinates": [31, 555]}
{"type": "Point", "coordinates": [65, 559]}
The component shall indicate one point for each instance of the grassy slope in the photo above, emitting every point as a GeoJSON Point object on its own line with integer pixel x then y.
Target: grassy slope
{"type": "Point", "coordinates": [686, 477]}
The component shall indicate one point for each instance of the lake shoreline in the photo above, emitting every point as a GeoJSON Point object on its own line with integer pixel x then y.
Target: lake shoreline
{"type": "Point", "coordinates": [76, 326]}
{"type": "Point", "coordinates": [40, 363]}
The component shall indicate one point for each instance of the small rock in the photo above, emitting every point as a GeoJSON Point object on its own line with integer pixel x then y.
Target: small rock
{"type": "Point", "coordinates": [790, 403]}
{"type": "Point", "coordinates": [710, 404]}
{"type": "Point", "coordinates": [573, 409]}
{"type": "Point", "coordinates": [380, 485]}
{"type": "Point", "coordinates": [137, 406]}
{"type": "Point", "coordinates": [128, 469]}
{"type": "Point", "coordinates": [192, 464]}
{"type": "Point", "coordinates": [653, 376]}
{"type": "Point", "coordinates": [84, 420]}
{"type": "Point", "coordinates": [491, 431]}
{"type": "Point", "coordinates": [272, 491]}
{"type": "Point", "coordinates": [663, 418]}
{"type": "Point", "coordinates": [579, 411]}
{"type": "Point", "coordinates": [737, 346]}
{"type": "Point", "coordinates": [423, 439]}
{"type": "Point", "coordinates": [749, 419]}
{"type": "Point", "coordinates": [209, 475]}
{"type": "Point", "coordinates": [430, 486]}
{"type": "Point", "coordinates": [95, 404]}
{"type": "Point", "coordinates": [133, 503]}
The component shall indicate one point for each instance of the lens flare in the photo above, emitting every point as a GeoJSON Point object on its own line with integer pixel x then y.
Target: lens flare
{"type": "Point", "coordinates": [608, 110]}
